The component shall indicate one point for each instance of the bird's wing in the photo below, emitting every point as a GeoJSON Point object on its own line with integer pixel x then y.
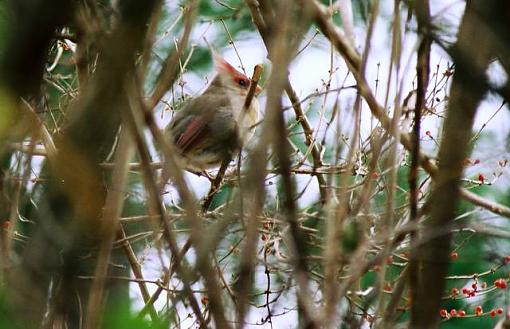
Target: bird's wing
{"type": "Point", "coordinates": [194, 133]}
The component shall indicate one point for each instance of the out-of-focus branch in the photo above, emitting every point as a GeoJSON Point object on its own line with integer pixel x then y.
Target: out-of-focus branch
{"type": "Point", "coordinates": [149, 40]}
{"type": "Point", "coordinates": [134, 124]}
{"type": "Point", "coordinates": [281, 44]}
{"type": "Point", "coordinates": [73, 198]}
{"type": "Point", "coordinates": [31, 27]}
{"type": "Point", "coordinates": [171, 65]}
{"type": "Point", "coordinates": [44, 134]}
{"type": "Point", "coordinates": [108, 229]}
{"type": "Point", "coordinates": [301, 117]}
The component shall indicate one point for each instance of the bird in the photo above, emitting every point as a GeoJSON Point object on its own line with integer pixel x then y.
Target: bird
{"type": "Point", "coordinates": [211, 128]}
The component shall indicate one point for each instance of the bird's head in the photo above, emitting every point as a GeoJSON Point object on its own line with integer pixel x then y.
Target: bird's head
{"type": "Point", "coordinates": [232, 78]}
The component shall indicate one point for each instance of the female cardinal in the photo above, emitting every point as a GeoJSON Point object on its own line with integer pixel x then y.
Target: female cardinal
{"type": "Point", "coordinates": [212, 127]}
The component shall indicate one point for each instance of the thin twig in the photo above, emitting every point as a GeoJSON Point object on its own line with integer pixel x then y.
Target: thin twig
{"type": "Point", "coordinates": [137, 272]}
{"type": "Point", "coordinates": [377, 110]}
{"type": "Point", "coordinates": [170, 68]}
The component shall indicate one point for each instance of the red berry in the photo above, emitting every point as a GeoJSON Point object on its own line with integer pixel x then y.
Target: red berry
{"type": "Point", "coordinates": [499, 310]}
{"type": "Point", "coordinates": [478, 310]}
{"type": "Point", "coordinates": [387, 287]}
{"type": "Point", "coordinates": [443, 313]}
{"type": "Point", "coordinates": [428, 133]}
{"type": "Point", "coordinates": [481, 179]}
{"type": "Point", "coordinates": [204, 300]}
{"type": "Point", "coordinates": [453, 312]}
{"type": "Point", "coordinates": [500, 283]}
{"type": "Point", "coordinates": [263, 237]}
{"type": "Point", "coordinates": [389, 260]}
{"type": "Point", "coordinates": [462, 313]}
{"type": "Point", "coordinates": [506, 259]}
{"type": "Point", "coordinates": [455, 292]}
{"type": "Point", "coordinates": [454, 255]}
{"type": "Point", "coordinates": [477, 161]}
{"type": "Point", "coordinates": [377, 268]}
{"type": "Point", "coordinates": [492, 313]}
{"type": "Point", "coordinates": [474, 286]}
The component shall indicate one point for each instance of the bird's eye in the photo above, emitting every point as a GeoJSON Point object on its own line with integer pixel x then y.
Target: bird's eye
{"type": "Point", "coordinates": [242, 82]}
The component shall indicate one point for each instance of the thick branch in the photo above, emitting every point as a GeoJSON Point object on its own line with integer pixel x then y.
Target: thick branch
{"type": "Point", "coordinates": [465, 95]}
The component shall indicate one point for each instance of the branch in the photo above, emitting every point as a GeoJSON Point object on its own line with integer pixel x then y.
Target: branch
{"type": "Point", "coordinates": [108, 228]}
{"type": "Point", "coordinates": [422, 70]}
{"type": "Point", "coordinates": [171, 65]}
{"type": "Point", "coordinates": [296, 103]}
{"type": "Point", "coordinates": [471, 57]}
{"type": "Point", "coordinates": [132, 120]}
{"type": "Point", "coordinates": [137, 272]}
{"type": "Point", "coordinates": [352, 58]}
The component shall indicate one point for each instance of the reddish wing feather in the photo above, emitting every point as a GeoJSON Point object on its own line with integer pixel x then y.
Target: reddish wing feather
{"type": "Point", "coordinates": [193, 135]}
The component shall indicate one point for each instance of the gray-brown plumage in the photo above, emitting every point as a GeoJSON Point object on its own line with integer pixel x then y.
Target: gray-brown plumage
{"type": "Point", "coordinates": [212, 127]}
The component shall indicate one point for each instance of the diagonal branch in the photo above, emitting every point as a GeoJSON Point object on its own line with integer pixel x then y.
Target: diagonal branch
{"type": "Point", "coordinates": [352, 59]}
{"type": "Point", "coordinates": [171, 65]}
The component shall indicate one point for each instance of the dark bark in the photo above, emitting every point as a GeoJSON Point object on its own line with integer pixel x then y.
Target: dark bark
{"type": "Point", "coordinates": [32, 24]}
{"type": "Point", "coordinates": [422, 10]}
{"type": "Point", "coordinates": [65, 240]}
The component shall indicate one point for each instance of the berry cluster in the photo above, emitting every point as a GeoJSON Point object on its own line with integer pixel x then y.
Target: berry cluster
{"type": "Point", "coordinates": [476, 287]}
{"type": "Point", "coordinates": [461, 313]}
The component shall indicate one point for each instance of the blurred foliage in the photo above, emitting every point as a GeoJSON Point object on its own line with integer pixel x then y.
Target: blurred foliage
{"type": "Point", "coordinates": [123, 318]}
{"type": "Point", "coordinates": [4, 24]}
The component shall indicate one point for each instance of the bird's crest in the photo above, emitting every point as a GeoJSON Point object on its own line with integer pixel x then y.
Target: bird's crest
{"type": "Point", "coordinates": [225, 69]}
{"type": "Point", "coordinates": [222, 66]}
